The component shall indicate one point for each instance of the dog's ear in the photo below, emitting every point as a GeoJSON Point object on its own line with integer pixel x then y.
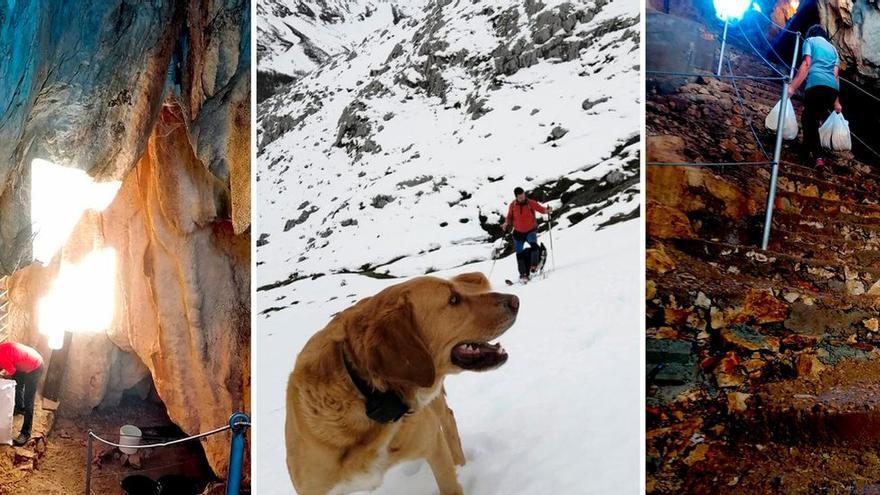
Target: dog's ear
{"type": "Point", "coordinates": [393, 349]}
{"type": "Point", "coordinates": [473, 281]}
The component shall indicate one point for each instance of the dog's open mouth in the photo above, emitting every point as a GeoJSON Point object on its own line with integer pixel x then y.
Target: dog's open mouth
{"type": "Point", "coordinates": [478, 356]}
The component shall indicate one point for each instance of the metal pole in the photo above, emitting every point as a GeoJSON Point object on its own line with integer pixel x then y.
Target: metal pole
{"type": "Point", "coordinates": [236, 452]}
{"type": "Point", "coordinates": [89, 464]}
{"type": "Point", "coordinates": [552, 249]}
{"type": "Point", "coordinates": [723, 45]}
{"type": "Point", "coordinates": [777, 151]}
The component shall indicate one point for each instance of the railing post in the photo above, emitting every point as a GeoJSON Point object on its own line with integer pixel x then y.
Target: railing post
{"type": "Point", "coordinates": [777, 151]}
{"type": "Point", "coordinates": [723, 45]}
{"type": "Point", "coordinates": [89, 463]}
{"type": "Point", "coordinates": [236, 452]}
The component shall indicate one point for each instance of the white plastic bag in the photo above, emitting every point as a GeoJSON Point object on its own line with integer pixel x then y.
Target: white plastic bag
{"type": "Point", "coordinates": [840, 138]}
{"type": "Point", "coordinates": [7, 409]}
{"type": "Point", "coordinates": [826, 130]}
{"type": "Point", "coordinates": [789, 123]}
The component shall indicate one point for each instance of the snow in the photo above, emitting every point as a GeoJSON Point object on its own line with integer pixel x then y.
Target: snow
{"type": "Point", "coordinates": [561, 416]}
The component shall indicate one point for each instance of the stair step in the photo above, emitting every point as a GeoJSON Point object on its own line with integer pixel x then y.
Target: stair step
{"type": "Point", "coordinates": [841, 406]}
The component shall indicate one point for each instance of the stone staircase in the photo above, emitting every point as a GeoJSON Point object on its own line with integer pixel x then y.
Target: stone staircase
{"type": "Point", "coordinates": [761, 365]}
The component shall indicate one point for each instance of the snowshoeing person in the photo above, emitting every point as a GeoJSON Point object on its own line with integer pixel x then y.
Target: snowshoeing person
{"type": "Point", "coordinates": [24, 365]}
{"type": "Point", "coordinates": [821, 70]}
{"type": "Point", "coordinates": [521, 216]}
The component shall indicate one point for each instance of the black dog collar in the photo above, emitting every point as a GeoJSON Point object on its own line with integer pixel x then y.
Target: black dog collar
{"type": "Point", "coordinates": [382, 407]}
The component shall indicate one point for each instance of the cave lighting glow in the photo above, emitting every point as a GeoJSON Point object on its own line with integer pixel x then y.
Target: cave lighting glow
{"type": "Point", "coordinates": [795, 4]}
{"type": "Point", "coordinates": [729, 10]}
{"type": "Point", "coordinates": [81, 298]}
{"type": "Point", "coordinates": [59, 196]}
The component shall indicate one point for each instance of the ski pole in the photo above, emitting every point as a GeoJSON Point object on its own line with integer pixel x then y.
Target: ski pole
{"type": "Point", "coordinates": [552, 250]}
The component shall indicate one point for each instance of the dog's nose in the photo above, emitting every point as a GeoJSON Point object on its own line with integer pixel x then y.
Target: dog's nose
{"type": "Point", "coordinates": [513, 303]}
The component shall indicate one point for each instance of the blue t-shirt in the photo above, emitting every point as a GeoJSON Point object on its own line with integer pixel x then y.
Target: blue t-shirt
{"type": "Point", "coordinates": [823, 60]}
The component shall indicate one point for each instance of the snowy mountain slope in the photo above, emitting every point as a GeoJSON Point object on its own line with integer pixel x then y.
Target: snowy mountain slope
{"type": "Point", "coordinates": [295, 37]}
{"type": "Point", "coordinates": [399, 157]}
{"type": "Point", "coordinates": [561, 416]}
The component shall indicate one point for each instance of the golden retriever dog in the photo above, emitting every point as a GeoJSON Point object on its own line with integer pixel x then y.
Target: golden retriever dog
{"type": "Point", "coordinates": [367, 390]}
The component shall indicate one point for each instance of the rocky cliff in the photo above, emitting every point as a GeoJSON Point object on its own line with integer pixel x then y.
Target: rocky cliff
{"type": "Point", "coordinates": [157, 95]}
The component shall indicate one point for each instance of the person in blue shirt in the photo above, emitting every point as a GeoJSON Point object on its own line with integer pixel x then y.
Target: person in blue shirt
{"type": "Point", "coordinates": [820, 68]}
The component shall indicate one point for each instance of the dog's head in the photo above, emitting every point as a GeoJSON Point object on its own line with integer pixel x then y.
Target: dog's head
{"type": "Point", "coordinates": [413, 333]}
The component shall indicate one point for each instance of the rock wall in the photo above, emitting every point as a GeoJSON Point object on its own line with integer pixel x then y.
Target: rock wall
{"type": "Point", "coordinates": [85, 81]}
{"type": "Point", "coordinates": [182, 294]}
{"type": "Point", "coordinates": [854, 27]}
{"type": "Point", "coordinates": [157, 95]}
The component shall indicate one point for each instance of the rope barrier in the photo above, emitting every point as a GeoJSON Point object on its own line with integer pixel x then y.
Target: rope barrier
{"type": "Point", "coordinates": [704, 164]}
{"type": "Point", "coordinates": [742, 108]}
{"type": "Point", "coordinates": [864, 144]}
{"type": "Point", "coordinates": [773, 50]}
{"type": "Point", "coordinates": [165, 444]}
{"type": "Point", "coordinates": [238, 424]}
{"type": "Point", "coordinates": [739, 25]}
{"type": "Point", "coordinates": [858, 87]}
{"type": "Point", "coordinates": [783, 28]}
{"type": "Point", "coordinates": [716, 76]}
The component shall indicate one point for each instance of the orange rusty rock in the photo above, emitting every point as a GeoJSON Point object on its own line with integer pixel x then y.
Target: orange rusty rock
{"type": "Point", "coordinates": [658, 261]}
{"type": "Point", "coordinates": [726, 371]}
{"type": "Point", "coordinates": [763, 307]}
{"type": "Point", "coordinates": [808, 365]}
{"type": "Point", "coordinates": [698, 454]}
{"type": "Point", "coordinates": [736, 402]}
{"type": "Point", "coordinates": [665, 149]}
{"type": "Point", "coordinates": [664, 222]}
{"type": "Point", "coordinates": [650, 289]}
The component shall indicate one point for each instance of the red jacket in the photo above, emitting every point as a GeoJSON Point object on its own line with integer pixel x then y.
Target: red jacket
{"type": "Point", "coordinates": [19, 357]}
{"type": "Point", "coordinates": [522, 216]}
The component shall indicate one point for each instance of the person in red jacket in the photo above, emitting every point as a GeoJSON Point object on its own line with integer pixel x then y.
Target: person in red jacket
{"type": "Point", "coordinates": [24, 365]}
{"type": "Point", "coordinates": [521, 215]}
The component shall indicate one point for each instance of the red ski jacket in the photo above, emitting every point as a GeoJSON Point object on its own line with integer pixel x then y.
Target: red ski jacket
{"type": "Point", "coordinates": [19, 357]}
{"type": "Point", "coordinates": [522, 215]}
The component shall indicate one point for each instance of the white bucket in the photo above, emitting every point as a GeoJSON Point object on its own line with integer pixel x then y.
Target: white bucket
{"type": "Point", "coordinates": [7, 409]}
{"type": "Point", "coordinates": [129, 435]}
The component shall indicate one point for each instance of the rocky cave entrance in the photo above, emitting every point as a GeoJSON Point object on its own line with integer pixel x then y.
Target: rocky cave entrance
{"type": "Point", "coordinates": [54, 463]}
{"type": "Point", "coordinates": [145, 292]}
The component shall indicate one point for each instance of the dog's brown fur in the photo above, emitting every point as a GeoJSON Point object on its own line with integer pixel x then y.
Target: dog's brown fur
{"type": "Point", "coordinates": [400, 339]}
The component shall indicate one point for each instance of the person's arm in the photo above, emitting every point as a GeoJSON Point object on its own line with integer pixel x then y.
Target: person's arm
{"type": "Point", "coordinates": [538, 207]}
{"type": "Point", "coordinates": [508, 220]}
{"type": "Point", "coordinates": [800, 77]}
{"type": "Point", "coordinates": [837, 106]}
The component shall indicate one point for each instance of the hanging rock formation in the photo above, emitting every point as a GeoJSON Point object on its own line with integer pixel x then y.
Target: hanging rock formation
{"type": "Point", "coordinates": [155, 94]}
{"type": "Point", "coordinates": [854, 27]}
{"type": "Point", "coordinates": [85, 82]}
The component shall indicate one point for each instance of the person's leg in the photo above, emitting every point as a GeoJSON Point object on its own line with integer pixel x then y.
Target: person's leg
{"type": "Point", "coordinates": [522, 264]}
{"type": "Point", "coordinates": [32, 379]}
{"type": "Point", "coordinates": [810, 120]}
{"type": "Point", "coordinates": [19, 391]}
{"type": "Point", "coordinates": [532, 239]}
